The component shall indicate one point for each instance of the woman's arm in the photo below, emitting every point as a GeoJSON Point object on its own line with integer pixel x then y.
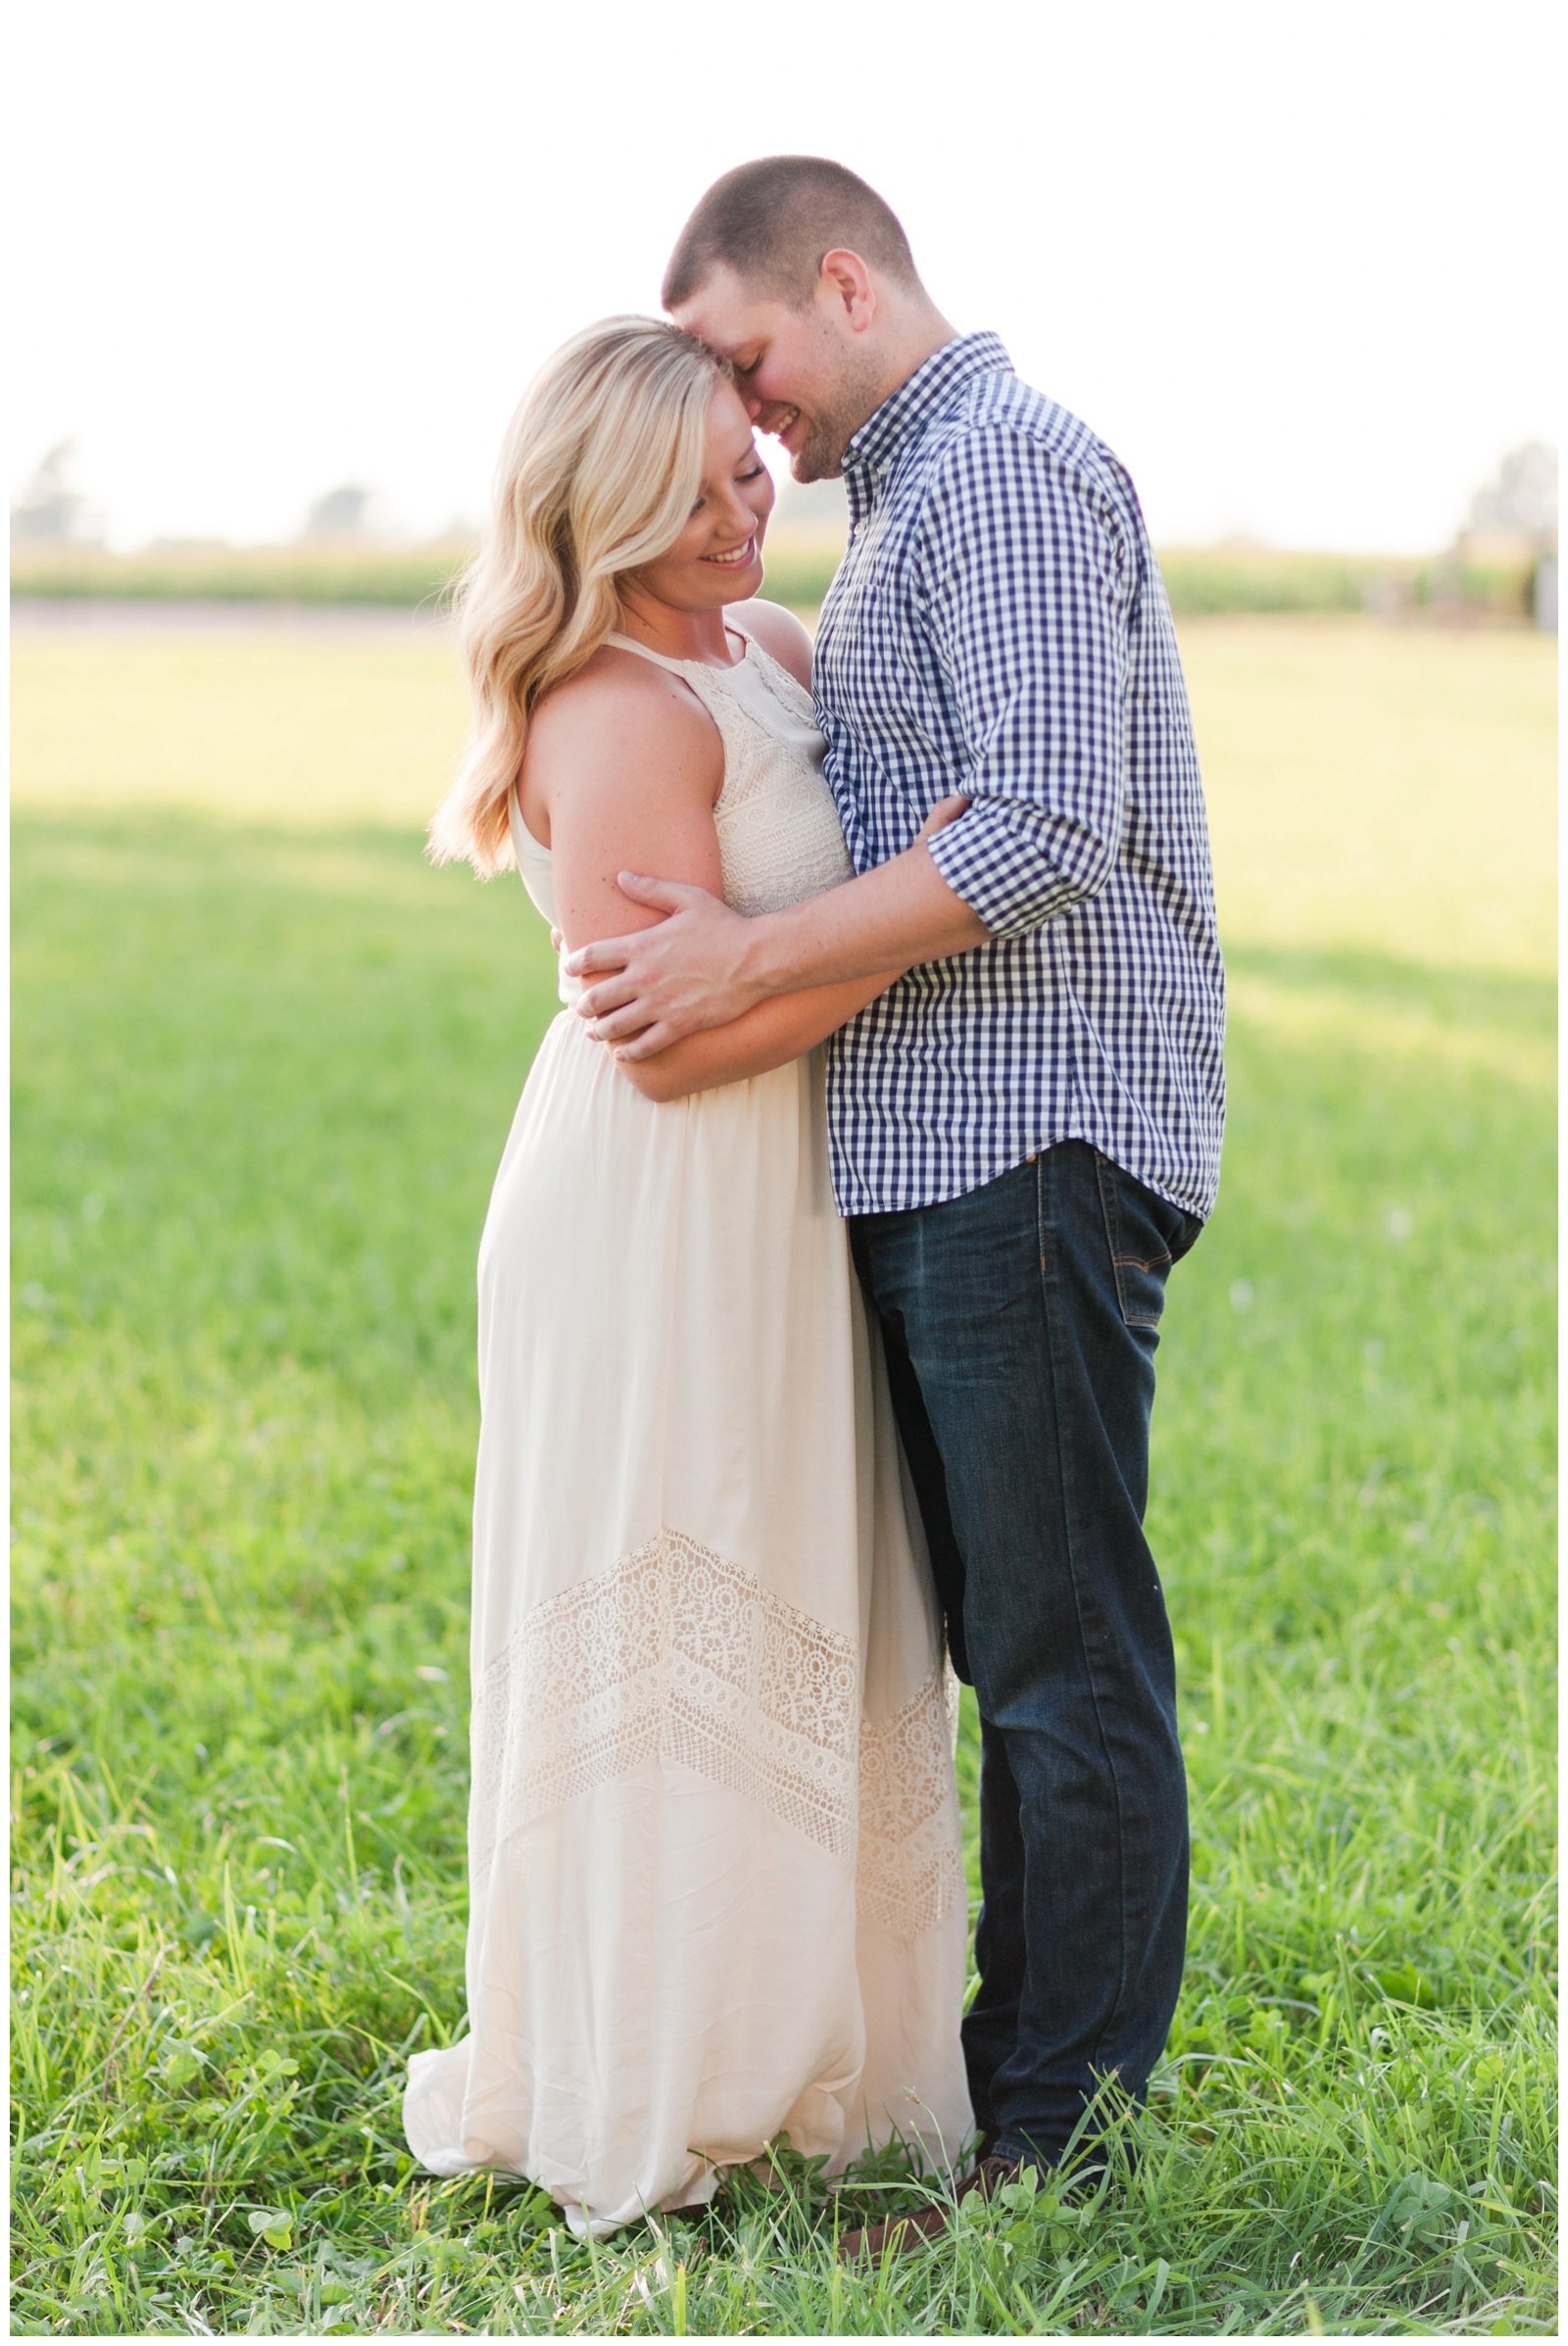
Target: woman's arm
{"type": "Point", "coordinates": [623, 762]}
{"type": "Point", "coordinates": [624, 752]}
{"type": "Point", "coordinates": [771, 1034]}
{"type": "Point", "coordinates": [780, 633]}
{"type": "Point", "coordinates": [626, 760]}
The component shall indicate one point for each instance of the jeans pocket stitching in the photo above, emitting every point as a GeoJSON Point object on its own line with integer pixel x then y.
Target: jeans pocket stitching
{"type": "Point", "coordinates": [1111, 1208]}
{"type": "Point", "coordinates": [1130, 1263]}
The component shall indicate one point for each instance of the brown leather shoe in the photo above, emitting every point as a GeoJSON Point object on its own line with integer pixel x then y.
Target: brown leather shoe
{"type": "Point", "coordinates": [896, 2234]}
{"type": "Point", "coordinates": [992, 2175]}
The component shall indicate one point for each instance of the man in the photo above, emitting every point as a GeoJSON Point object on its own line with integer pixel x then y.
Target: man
{"type": "Point", "coordinates": [1026, 1127]}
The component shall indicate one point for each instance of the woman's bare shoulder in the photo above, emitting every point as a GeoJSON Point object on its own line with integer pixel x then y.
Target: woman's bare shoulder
{"type": "Point", "coordinates": [615, 694]}
{"type": "Point", "coordinates": [622, 718]}
{"type": "Point", "coordinates": [780, 633]}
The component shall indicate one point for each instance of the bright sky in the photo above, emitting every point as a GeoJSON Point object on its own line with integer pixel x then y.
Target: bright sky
{"type": "Point", "coordinates": [1294, 265]}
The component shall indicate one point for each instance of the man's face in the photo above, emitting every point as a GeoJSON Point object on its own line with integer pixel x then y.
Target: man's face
{"type": "Point", "coordinates": [804, 373]}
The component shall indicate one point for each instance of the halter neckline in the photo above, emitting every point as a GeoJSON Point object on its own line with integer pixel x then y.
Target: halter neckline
{"type": "Point", "coordinates": [667, 660]}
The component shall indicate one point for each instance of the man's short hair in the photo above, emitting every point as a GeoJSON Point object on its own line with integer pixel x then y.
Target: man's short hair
{"type": "Point", "coordinates": [773, 222]}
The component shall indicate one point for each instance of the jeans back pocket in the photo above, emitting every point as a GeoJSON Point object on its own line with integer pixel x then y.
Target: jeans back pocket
{"type": "Point", "coordinates": [1146, 1234]}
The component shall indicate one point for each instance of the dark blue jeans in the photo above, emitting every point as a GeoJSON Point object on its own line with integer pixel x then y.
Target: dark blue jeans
{"type": "Point", "coordinates": [1020, 1324]}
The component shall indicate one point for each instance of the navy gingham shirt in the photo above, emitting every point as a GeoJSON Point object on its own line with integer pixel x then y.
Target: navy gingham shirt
{"type": "Point", "coordinates": [998, 627]}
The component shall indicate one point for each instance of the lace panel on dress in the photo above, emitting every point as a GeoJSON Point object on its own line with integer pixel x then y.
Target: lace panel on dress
{"type": "Point", "coordinates": [911, 1871]}
{"type": "Point", "coordinates": [678, 1653]}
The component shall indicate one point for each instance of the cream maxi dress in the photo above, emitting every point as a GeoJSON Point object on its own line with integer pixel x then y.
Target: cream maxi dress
{"type": "Point", "coordinates": [716, 1889]}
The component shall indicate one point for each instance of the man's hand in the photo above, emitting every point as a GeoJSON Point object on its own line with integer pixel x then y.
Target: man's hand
{"type": "Point", "coordinates": [686, 973]}
{"type": "Point", "coordinates": [700, 967]}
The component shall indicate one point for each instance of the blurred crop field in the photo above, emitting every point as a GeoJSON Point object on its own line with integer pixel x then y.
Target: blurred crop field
{"type": "Point", "coordinates": [802, 557]}
{"type": "Point", "coordinates": [265, 1060]}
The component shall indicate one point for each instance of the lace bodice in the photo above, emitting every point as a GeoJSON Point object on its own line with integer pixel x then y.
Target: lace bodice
{"type": "Point", "coordinates": [779, 839]}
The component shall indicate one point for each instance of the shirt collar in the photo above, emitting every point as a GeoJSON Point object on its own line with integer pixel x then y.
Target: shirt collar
{"type": "Point", "coordinates": [932, 388]}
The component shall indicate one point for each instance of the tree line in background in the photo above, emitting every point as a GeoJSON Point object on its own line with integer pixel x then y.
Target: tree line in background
{"type": "Point", "coordinates": [1501, 566]}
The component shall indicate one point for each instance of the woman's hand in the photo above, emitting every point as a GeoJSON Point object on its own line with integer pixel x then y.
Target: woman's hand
{"type": "Point", "coordinates": [945, 812]}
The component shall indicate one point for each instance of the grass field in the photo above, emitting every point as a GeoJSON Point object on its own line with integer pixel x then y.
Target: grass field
{"type": "Point", "coordinates": [264, 1062]}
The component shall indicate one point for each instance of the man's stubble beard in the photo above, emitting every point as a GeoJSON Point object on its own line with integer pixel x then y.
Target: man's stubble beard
{"type": "Point", "coordinates": [857, 396]}
{"type": "Point", "coordinates": [822, 458]}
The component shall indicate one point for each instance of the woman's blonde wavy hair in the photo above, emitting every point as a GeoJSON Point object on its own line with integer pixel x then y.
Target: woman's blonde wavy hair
{"type": "Point", "coordinates": [600, 469]}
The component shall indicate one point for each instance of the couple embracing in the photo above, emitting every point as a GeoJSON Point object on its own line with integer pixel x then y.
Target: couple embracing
{"type": "Point", "coordinates": [822, 1277]}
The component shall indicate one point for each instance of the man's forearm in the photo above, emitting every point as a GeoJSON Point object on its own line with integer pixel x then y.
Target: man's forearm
{"type": "Point", "coordinates": [704, 966]}
{"type": "Point", "coordinates": [891, 918]}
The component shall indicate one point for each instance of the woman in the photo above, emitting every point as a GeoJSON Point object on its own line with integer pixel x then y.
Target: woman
{"type": "Point", "coordinates": [717, 1888]}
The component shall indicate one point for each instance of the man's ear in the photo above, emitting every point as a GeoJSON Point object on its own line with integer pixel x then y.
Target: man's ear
{"type": "Point", "coordinates": [846, 284]}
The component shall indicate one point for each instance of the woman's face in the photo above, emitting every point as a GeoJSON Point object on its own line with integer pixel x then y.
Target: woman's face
{"type": "Point", "coordinates": [717, 557]}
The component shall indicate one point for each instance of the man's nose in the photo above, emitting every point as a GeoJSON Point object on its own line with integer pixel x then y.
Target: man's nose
{"type": "Point", "coordinates": [753, 405]}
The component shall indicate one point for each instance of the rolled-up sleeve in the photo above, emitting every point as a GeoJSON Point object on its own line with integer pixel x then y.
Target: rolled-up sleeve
{"type": "Point", "coordinates": [1025, 586]}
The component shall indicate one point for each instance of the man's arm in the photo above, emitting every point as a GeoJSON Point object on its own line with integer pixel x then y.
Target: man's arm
{"type": "Point", "coordinates": [705, 965]}
{"type": "Point", "coordinates": [1023, 573]}
{"type": "Point", "coordinates": [764, 1037]}
{"type": "Point", "coordinates": [1028, 578]}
